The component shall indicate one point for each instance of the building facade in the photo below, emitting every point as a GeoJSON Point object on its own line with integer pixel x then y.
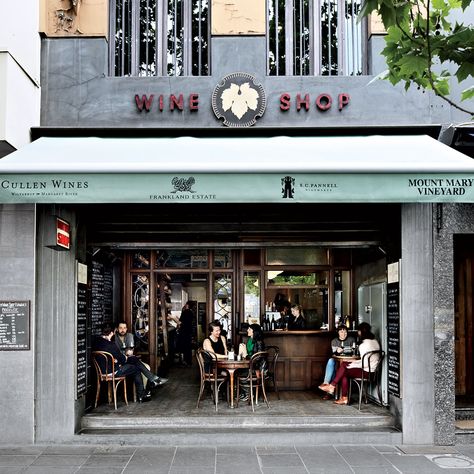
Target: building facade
{"type": "Point", "coordinates": [161, 130]}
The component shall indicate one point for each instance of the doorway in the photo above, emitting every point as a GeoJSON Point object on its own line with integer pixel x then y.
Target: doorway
{"type": "Point", "coordinates": [464, 319]}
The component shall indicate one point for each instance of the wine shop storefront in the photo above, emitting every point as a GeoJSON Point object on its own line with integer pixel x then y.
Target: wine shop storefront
{"type": "Point", "coordinates": [131, 228]}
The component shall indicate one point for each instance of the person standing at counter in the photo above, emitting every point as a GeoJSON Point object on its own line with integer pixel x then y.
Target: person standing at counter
{"type": "Point", "coordinates": [297, 320]}
{"type": "Point", "coordinates": [354, 369]}
{"type": "Point", "coordinates": [338, 345]}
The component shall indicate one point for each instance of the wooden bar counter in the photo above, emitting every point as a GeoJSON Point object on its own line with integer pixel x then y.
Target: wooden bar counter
{"type": "Point", "coordinates": [303, 357]}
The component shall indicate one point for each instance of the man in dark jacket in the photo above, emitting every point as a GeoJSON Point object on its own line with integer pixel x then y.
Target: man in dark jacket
{"type": "Point", "coordinates": [128, 365]}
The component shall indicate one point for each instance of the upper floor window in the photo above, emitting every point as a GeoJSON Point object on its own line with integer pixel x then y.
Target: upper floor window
{"type": "Point", "coordinates": [315, 37]}
{"type": "Point", "coordinates": [159, 37]}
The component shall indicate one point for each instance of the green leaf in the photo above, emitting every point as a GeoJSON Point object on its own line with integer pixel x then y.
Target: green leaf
{"type": "Point", "coordinates": [438, 4]}
{"type": "Point", "coordinates": [468, 93]}
{"type": "Point", "coordinates": [466, 69]}
{"type": "Point", "coordinates": [465, 4]}
{"type": "Point", "coordinates": [442, 86]}
{"type": "Point", "coordinates": [411, 64]}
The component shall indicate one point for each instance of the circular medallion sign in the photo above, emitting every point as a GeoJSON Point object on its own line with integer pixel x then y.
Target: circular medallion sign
{"type": "Point", "coordinates": [239, 100]}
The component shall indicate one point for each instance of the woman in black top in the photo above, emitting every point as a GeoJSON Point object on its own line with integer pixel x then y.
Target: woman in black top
{"type": "Point", "coordinates": [215, 343]}
{"type": "Point", "coordinates": [298, 321]}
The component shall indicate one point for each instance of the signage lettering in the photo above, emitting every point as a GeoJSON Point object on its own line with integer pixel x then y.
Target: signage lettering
{"type": "Point", "coordinates": [323, 101]}
{"type": "Point", "coordinates": [175, 102]}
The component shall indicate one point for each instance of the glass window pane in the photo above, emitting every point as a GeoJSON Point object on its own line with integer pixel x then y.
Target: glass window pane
{"type": "Point", "coordinates": [297, 256]}
{"type": "Point", "coordinates": [252, 295]}
{"type": "Point", "coordinates": [177, 258]}
{"type": "Point", "coordinates": [342, 295]}
{"type": "Point", "coordinates": [223, 302]}
{"type": "Point", "coordinates": [222, 259]}
{"type": "Point", "coordinates": [140, 315]}
{"type": "Point", "coordinates": [141, 260]}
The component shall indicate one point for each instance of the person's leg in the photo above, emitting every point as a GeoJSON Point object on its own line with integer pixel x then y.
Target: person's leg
{"type": "Point", "coordinates": [331, 388]}
{"type": "Point", "coordinates": [132, 370]}
{"type": "Point", "coordinates": [330, 370]}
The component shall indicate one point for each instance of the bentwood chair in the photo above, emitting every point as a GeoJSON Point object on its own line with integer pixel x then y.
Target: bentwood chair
{"type": "Point", "coordinates": [270, 373]}
{"type": "Point", "coordinates": [371, 377]}
{"type": "Point", "coordinates": [104, 363]}
{"type": "Point", "coordinates": [255, 378]}
{"type": "Point", "coordinates": [207, 362]}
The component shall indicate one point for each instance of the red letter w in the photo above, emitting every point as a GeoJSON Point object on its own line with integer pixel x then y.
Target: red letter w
{"type": "Point", "coordinates": [144, 102]}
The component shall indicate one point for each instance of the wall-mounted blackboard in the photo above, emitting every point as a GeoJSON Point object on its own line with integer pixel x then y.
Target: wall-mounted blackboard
{"type": "Point", "coordinates": [14, 325]}
{"type": "Point", "coordinates": [393, 338]}
{"type": "Point", "coordinates": [81, 340]}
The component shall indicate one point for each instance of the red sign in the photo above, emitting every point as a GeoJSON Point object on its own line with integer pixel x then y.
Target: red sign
{"type": "Point", "coordinates": [63, 236]}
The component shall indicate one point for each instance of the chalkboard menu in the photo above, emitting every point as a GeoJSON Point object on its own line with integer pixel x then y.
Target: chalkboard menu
{"type": "Point", "coordinates": [393, 338]}
{"type": "Point", "coordinates": [14, 325]}
{"type": "Point", "coordinates": [81, 340]}
{"type": "Point", "coordinates": [101, 296]}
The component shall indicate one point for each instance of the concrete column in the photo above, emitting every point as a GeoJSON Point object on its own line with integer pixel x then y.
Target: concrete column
{"type": "Point", "coordinates": [417, 340]}
{"type": "Point", "coordinates": [17, 283]}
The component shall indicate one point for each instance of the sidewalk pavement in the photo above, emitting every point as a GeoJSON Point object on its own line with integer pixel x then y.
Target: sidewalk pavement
{"type": "Point", "coordinates": [331, 459]}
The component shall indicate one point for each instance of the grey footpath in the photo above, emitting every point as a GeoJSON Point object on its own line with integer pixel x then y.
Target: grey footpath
{"type": "Point", "coordinates": [333, 459]}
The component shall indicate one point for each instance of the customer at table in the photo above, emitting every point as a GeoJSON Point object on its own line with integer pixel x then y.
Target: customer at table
{"type": "Point", "coordinates": [354, 369]}
{"type": "Point", "coordinates": [297, 320]}
{"type": "Point", "coordinates": [338, 345]}
{"type": "Point", "coordinates": [254, 344]}
{"type": "Point", "coordinates": [215, 343]}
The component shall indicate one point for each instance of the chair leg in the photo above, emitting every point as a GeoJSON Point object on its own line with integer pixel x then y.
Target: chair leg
{"type": "Point", "coordinates": [201, 390]}
{"type": "Point", "coordinates": [97, 393]}
{"type": "Point", "coordinates": [115, 394]}
{"type": "Point", "coordinates": [264, 393]}
{"type": "Point", "coordinates": [275, 386]}
{"type": "Point", "coordinates": [125, 391]}
{"type": "Point", "coordinates": [251, 394]}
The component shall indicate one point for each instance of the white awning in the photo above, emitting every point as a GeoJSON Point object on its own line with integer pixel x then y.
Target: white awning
{"type": "Point", "coordinates": [276, 169]}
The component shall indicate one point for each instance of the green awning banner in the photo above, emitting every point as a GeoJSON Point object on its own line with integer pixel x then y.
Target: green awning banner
{"type": "Point", "coordinates": [219, 170]}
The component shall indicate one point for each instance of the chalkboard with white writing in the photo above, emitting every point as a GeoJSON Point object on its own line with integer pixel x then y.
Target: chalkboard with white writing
{"type": "Point", "coordinates": [14, 325]}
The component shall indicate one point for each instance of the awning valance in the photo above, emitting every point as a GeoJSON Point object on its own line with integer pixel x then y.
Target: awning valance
{"type": "Point", "coordinates": [276, 169]}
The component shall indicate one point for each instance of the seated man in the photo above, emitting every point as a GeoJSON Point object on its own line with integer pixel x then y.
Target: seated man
{"type": "Point", "coordinates": [127, 365]}
{"type": "Point", "coordinates": [125, 343]}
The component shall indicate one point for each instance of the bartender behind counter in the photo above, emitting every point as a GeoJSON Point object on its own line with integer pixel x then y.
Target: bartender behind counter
{"type": "Point", "coordinates": [297, 320]}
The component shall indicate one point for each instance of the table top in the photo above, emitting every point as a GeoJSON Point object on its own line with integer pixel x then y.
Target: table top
{"type": "Point", "coordinates": [346, 357]}
{"type": "Point", "coordinates": [233, 364]}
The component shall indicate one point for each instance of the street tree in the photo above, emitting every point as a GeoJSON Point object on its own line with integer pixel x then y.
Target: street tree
{"type": "Point", "coordinates": [426, 46]}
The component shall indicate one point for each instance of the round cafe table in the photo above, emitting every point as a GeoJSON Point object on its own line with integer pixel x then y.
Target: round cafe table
{"type": "Point", "coordinates": [339, 360]}
{"type": "Point", "coordinates": [231, 366]}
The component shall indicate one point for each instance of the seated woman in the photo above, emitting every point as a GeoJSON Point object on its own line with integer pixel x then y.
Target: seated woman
{"type": "Point", "coordinates": [354, 369]}
{"type": "Point", "coordinates": [338, 344]}
{"type": "Point", "coordinates": [297, 320]}
{"type": "Point", "coordinates": [254, 344]}
{"type": "Point", "coordinates": [215, 342]}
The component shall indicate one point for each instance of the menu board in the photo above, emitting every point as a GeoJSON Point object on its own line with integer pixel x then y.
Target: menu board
{"type": "Point", "coordinates": [393, 338]}
{"type": "Point", "coordinates": [81, 340]}
{"type": "Point", "coordinates": [101, 296]}
{"type": "Point", "coordinates": [14, 325]}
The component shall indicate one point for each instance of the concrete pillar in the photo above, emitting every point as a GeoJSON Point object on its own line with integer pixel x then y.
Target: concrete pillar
{"type": "Point", "coordinates": [17, 283]}
{"type": "Point", "coordinates": [417, 324]}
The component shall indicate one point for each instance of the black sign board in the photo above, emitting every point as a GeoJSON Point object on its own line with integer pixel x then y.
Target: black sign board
{"type": "Point", "coordinates": [393, 338]}
{"type": "Point", "coordinates": [14, 325]}
{"type": "Point", "coordinates": [81, 340]}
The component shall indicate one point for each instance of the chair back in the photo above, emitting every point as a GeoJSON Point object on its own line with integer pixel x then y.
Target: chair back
{"type": "Point", "coordinates": [206, 360]}
{"type": "Point", "coordinates": [104, 363]}
{"type": "Point", "coordinates": [258, 363]}
{"type": "Point", "coordinates": [372, 365]}
{"type": "Point", "coordinates": [273, 354]}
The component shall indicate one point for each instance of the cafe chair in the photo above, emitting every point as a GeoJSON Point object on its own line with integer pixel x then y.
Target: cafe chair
{"type": "Point", "coordinates": [255, 378]}
{"type": "Point", "coordinates": [106, 360]}
{"type": "Point", "coordinates": [371, 378]}
{"type": "Point", "coordinates": [270, 373]}
{"type": "Point", "coordinates": [207, 362]}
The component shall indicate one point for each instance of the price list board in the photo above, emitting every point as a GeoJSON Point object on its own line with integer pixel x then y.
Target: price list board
{"type": "Point", "coordinates": [101, 296]}
{"type": "Point", "coordinates": [14, 325]}
{"type": "Point", "coordinates": [81, 340]}
{"type": "Point", "coordinates": [393, 338]}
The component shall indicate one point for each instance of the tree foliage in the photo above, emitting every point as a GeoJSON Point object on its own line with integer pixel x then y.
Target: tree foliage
{"type": "Point", "coordinates": [424, 45]}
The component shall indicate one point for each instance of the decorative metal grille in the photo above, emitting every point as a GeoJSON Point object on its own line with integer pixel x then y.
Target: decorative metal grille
{"type": "Point", "coordinates": [140, 308]}
{"type": "Point", "coordinates": [223, 302]}
{"type": "Point", "coordinates": [315, 37]}
{"type": "Point", "coordinates": [159, 37]}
